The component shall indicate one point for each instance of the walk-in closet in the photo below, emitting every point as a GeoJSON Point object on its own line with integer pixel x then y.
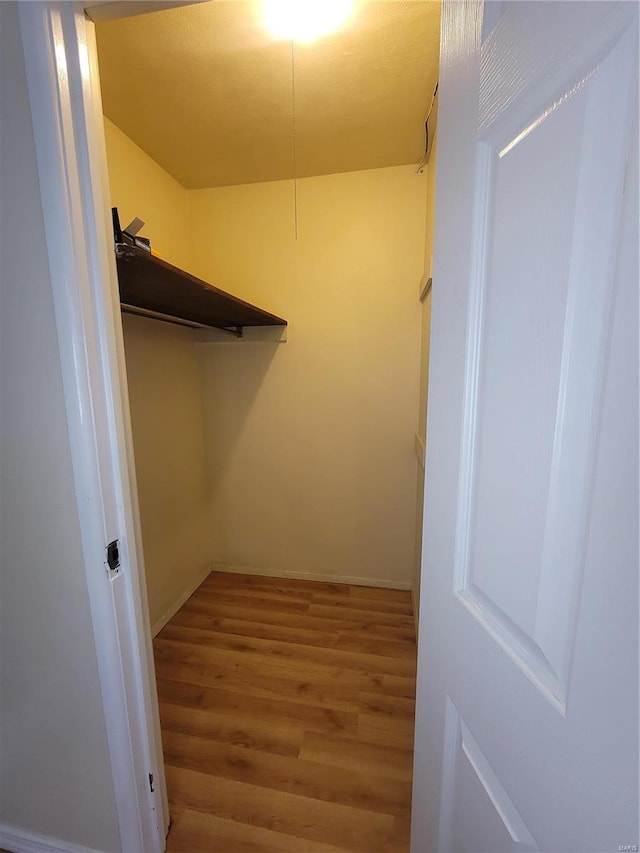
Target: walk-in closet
{"type": "Point", "coordinates": [219, 383]}
{"type": "Point", "coordinates": [272, 198]}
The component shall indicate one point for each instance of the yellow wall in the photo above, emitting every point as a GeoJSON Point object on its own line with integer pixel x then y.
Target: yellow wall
{"type": "Point", "coordinates": [308, 445]}
{"type": "Point", "coordinates": [426, 312]}
{"type": "Point", "coordinates": [164, 391]}
{"type": "Point", "coordinates": [424, 359]}
{"type": "Point", "coordinates": [311, 442]}
{"type": "Point", "coordinates": [139, 187]}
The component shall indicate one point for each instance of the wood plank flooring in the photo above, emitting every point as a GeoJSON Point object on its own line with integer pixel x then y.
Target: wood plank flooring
{"type": "Point", "coordinates": [287, 717]}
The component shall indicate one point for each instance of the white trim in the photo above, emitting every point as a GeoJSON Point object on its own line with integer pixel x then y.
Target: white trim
{"type": "Point", "coordinates": [61, 66]}
{"type": "Point", "coordinates": [184, 596]}
{"type": "Point", "coordinates": [310, 576]}
{"type": "Point", "coordinates": [19, 841]}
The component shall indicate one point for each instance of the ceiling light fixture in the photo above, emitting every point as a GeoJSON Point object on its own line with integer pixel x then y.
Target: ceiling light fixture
{"type": "Point", "coordinates": [305, 20]}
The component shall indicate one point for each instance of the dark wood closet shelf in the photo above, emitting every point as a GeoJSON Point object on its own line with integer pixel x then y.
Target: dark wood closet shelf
{"type": "Point", "coordinates": [153, 287]}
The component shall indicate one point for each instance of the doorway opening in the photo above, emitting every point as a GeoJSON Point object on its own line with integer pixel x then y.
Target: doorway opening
{"type": "Point", "coordinates": [266, 464]}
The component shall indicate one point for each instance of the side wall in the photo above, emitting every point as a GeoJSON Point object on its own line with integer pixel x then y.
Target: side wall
{"type": "Point", "coordinates": [140, 187]}
{"type": "Point", "coordinates": [424, 367]}
{"type": "Point", "coordinates": [311, 442]}
{"type": "Point", "coordinates": [55, 776]}
{"type": "Point", "coordinates": [165, 392]}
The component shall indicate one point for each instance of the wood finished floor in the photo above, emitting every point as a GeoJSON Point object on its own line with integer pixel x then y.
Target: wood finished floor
{"type": "Point", "coordinates": [287, 717]}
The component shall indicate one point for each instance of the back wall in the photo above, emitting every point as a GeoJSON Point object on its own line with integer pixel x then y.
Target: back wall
{"type": "Point", "coordinates": [311, 443]}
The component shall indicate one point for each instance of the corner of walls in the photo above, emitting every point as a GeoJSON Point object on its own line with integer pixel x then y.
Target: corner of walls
{"type": "Point", "coordinates": [177, 603]}
{"type": "Point", "coordinates": [430, 203]}
{"type": "Point", "coordinates": [165, 392]}
{"type": "Point", "coordinates": [140, 187]}
{"type": "Point", "coordinates": [421, 435]}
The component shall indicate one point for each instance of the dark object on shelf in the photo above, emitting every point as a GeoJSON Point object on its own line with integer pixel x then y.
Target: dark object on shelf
{"type": "Point", "coordinates": [122, 236]}
{"type": "Point", "coordinates": [155, 288]}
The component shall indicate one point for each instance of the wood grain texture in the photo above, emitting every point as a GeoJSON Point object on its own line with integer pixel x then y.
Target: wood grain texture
{"type": "Point", "coordinates": [287, 717]}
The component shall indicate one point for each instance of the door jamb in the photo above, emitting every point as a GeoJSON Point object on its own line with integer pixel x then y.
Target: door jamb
{"type": "Point", "coordinates": [64, 95]}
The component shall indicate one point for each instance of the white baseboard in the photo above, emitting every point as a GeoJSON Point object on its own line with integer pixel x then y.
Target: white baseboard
{"type": "Point", "coordinates": [170, 612]}
{"type": "Point", "coordinates": [21, 841]}
{"type": "Point", "coordinates": [310, 576]}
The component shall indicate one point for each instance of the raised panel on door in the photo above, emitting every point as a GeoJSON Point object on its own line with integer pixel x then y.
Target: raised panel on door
{"type": "Point", "coordinates": [526, 725]}
{"type": "Point", "coordinates": [476, 813]}
{"type": "Point", "coordinates": [543, 255]}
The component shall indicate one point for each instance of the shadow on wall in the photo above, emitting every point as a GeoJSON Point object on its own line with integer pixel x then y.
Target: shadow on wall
{"type": "Point", "coordinates": [174, 490]}
{"type": "Point", "coordinates": [230, 396]}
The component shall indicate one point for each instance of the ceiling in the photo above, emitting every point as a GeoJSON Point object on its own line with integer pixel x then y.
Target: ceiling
{"type": "Point", "coordinates": [216, 101]}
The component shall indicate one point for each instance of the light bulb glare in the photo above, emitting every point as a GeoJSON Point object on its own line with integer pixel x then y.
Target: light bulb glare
{"type": "Point", "coordinates": [305, 20]}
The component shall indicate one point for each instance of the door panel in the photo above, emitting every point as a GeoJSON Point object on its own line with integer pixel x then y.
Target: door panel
{"type": "Point", "coordinates": [476, 813]}
{"type": "Point", "coordinates": [516, 747]}
{"type": "Point", "coordinates": [533, 374]}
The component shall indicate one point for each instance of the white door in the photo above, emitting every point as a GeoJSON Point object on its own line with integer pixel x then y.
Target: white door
{"type": "Point", "coordinates": [527, 715]}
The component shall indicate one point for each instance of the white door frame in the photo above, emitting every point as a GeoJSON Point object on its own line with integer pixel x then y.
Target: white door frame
{"type": "Point", "coordinates": [64, 94]}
